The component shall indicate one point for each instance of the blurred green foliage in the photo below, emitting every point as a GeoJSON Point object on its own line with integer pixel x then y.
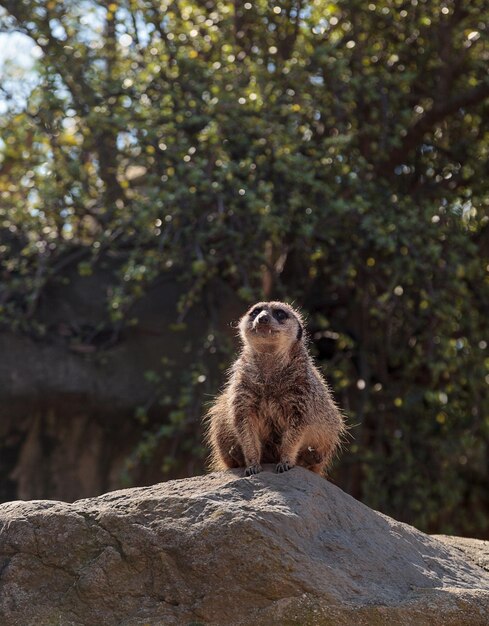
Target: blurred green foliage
{"type": "Point", "coordinates": [330, 153]}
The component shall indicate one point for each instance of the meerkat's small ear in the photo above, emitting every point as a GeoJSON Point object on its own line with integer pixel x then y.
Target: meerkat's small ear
{"type": "Point", "coordinates": [299, 332]}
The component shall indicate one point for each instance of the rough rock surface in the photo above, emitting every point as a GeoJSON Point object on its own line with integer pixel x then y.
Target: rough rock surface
{"type": "Point", "coordinates": [274, 549]}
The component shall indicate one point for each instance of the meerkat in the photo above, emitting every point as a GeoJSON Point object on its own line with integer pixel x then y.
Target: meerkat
{"type": "Point", "coordinates": [276, 407]}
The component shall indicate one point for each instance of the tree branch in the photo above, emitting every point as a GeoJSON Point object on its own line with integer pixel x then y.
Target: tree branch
{"type": "Point", "coordinates": [429, 120]}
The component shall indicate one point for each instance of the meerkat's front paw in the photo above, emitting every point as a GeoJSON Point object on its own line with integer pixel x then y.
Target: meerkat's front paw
{"type": "Point", "coordinates": [283, 467]}
{"type": "Point", "coordinates": [253, 469]}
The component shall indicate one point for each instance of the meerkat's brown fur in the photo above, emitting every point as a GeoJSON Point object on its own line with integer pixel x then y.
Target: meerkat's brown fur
{"type": "Point", "coordinates": [275, 407]}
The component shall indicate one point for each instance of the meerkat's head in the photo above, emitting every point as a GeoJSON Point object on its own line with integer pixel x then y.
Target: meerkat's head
{"type": "Point", "coordinates": [271, 326]}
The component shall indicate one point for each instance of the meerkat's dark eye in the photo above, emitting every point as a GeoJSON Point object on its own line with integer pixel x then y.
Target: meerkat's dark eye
{"type": "Point", "coordinates": [255, 312]}
{"type": "Point", "coordinates": [280, 315]}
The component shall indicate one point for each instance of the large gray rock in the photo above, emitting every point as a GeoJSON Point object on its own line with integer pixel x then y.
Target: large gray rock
{"type": "Point", "coordinates": [288, 549]}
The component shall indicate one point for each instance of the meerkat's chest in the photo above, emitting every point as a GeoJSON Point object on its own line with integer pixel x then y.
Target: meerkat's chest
{"type": "Point", "coordinates": [273, 399]}
{"type": "Point", "coordinates": [270, 407]}
{"type": "Point", "coordinates": [274, 403]}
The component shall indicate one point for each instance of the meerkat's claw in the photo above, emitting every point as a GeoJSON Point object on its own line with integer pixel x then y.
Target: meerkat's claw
{"type": "Point", "coordinates": [283, 467]}
{"type": "Point", "coordinates": [253, 469]}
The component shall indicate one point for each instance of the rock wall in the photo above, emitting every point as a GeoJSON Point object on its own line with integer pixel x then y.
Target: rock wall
{"type": "Point", "coordinates": [288, 550]}
{"type": "Point", "coordinates": [68, 400]}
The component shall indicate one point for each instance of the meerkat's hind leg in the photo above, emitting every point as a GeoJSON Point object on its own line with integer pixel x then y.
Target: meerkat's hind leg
{"type": "Point", "coordinates": [314, 462]}
{"type": "Point", "coordinates": [317, 469]}
{"type": "Point", "coordinates": [235, 453]}
{"type": "Point", "coordinates": [310, 456]}
{"type": "Point", "coordinates": [314, 459]}
{"type": "Point", "coordinates": [226, 451]}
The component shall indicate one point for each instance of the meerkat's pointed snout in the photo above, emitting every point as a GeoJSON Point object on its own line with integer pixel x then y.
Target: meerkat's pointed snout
{"type": "Point", "coordinates": [262, 318]}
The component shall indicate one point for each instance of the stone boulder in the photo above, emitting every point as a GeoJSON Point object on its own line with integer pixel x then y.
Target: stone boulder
{"type": "Point", "coordinates": [274, 549]}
